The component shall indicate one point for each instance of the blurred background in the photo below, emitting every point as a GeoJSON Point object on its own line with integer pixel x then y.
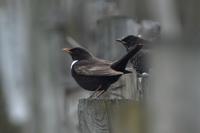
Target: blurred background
{"type": "Point", "coordinates": [37, 93]}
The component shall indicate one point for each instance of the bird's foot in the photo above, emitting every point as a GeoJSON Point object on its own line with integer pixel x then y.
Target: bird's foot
{"type": "Point", "coordinates": [93, 94]}
{"type": "Point", "coordinates": [100, 93]}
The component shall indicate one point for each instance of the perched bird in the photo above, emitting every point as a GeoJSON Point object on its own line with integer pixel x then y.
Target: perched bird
{"type": "Point", "coordinates": [141, 60]}
{"type": "Point", "coordinates": [95, 74]}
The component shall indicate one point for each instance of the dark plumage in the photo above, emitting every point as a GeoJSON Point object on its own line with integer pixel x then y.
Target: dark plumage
{"type": "Point", "coordinates": [141, 60]}
{"type": "Point", "coordinates": [95, 74]}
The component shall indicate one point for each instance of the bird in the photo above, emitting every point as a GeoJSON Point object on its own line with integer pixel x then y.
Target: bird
{"type": "Point", "coordinates": [140, 61]}
{"type": "Point", "coordinates": [95, 74]}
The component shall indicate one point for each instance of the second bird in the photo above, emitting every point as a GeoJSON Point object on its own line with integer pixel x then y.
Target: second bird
{"type": "Point", "coordinates": [95, 74]}
{"type": "Point", "coordinates": [141, 60]}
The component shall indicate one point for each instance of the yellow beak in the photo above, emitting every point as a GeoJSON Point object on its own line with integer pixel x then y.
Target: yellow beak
{"type": "Point", "coordinates": [66, 50]}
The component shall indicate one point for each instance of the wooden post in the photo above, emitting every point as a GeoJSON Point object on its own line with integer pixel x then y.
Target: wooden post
{"type": "Point", "coordinates": [109, 116]}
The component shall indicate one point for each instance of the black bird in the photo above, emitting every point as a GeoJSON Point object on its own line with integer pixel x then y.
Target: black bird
{"type": "Point", "coordinates": [141, 60]}
{"type": "Point", "coordinates": [95, 74]}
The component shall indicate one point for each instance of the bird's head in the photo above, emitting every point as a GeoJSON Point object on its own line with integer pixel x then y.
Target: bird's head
{"type": "Point", "coordinates": [131, 41]}
{"type": "Point", "coordinates": [78, 53]}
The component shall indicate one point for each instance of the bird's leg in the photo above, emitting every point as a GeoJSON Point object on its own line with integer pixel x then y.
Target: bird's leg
{"type": "Point", "coordinates": [95, 92]}
{"type": "Point", "coordinates": [101, 92]}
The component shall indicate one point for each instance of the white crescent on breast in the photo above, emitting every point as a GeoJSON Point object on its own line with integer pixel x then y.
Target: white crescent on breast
{"type": "Point", "coordinates": [73, 63]}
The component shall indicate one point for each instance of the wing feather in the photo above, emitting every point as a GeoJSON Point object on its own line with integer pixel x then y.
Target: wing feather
{"type": "Point", "coordinates": [100, 68]}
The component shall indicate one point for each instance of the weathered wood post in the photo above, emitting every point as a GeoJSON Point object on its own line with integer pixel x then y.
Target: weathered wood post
{"type": "Point", "coordinates": [109, 116]}
{"type": "Point", "coordinates": [117, 115]}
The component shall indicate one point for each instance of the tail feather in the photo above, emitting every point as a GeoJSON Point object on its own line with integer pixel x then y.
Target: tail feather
{"type": "Point", "coordinates": [120, 65]}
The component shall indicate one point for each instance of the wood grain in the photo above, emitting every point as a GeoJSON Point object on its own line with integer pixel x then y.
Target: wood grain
{"type": "Point", "coordinates": [109, 116]}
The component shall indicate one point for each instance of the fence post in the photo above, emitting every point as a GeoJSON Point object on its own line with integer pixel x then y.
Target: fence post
{"type": "Point", "coordinates": [109, 116]}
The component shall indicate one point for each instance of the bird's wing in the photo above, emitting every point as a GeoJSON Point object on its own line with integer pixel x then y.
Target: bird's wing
{"type": "Point", "coordinates": [141, 61]}
{"type": "Point", "coordinates": [95, 69]}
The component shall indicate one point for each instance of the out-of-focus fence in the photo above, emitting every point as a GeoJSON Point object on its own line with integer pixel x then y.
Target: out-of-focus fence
{"type": "Point", "coordinates": [38, 92]}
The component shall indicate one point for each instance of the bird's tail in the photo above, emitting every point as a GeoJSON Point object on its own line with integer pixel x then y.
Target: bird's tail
{"type": "Point", "coordinates": [120, 65]}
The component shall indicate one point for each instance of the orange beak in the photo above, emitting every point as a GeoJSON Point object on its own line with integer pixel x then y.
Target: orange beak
{"type": "Point", "coordinates": [66, 50]}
